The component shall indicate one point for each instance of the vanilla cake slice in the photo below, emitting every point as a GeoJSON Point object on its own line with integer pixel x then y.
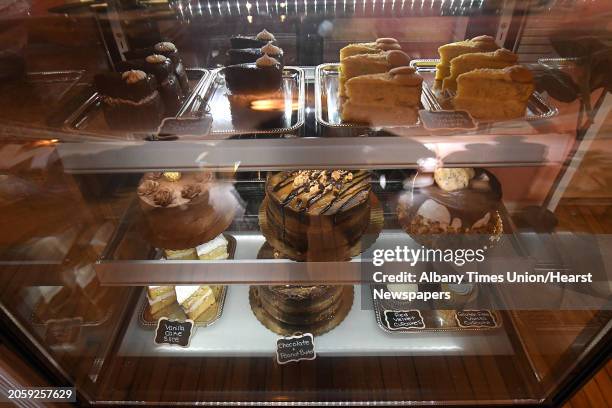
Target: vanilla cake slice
{"type": "Point", "coordinates": [160, 297]}
{"type": "Point", "coordinates": [501, 58]}
{"type": "Point", "coordinates": [195, 299]}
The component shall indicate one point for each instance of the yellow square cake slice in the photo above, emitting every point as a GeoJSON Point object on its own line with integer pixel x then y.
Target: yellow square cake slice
{"type": "Point", "coordinates": [380, 45]}
{"type": "Point", "coordinates": [365, 64]}
{"type": "Point", "coordinates": [494, 94]}
{"type": "Point", "coordinates": [483, 43]}
{"type": "Point", "coordinates": [195, 299]}
{"type": "Point", "coordinates": [160, 297]}
{"type": "Point", "coordinates": [498, 59]}
{"type": "Point", "coordinates": [215, 249]}
{"type": "Point", "coordinates": [398, 87]}
{"type": "Point", "coordinates": [374, 115]}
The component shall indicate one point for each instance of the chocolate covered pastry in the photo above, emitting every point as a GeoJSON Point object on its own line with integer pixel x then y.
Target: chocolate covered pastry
{"type": "Point", "coordinates": [262, 77]}
{"type": "Point", "coordinates": [249, 55]}
{"type": "Point", "coordinates": [130, 100]}
{"type": "Point", "coordinates": [256, 41]}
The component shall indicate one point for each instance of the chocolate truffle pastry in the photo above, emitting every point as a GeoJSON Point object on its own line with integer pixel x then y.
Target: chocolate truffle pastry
{"type": "Point", "coordinates": [300, 305]}
{"type": "Point", "coordinates": [455, 203]}
{"type": "Point", "coordinates": [321, 214]}
{"type": "Point", "coordinates": [249, 55]}
{"type": "Point", "coordinates": [263, 77]}
{"type": "Point", "coordinates": [130, 100]}
{"type": "Point", "coordinates": [184, 210]}
{"type": "Point", "coordinates": [257, 41]}
{"type": "Point", "coordinates": [169, 50]}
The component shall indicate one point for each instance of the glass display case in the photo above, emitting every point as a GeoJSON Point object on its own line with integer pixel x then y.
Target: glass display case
{"type": "Point", "coordinates": [392, 202]}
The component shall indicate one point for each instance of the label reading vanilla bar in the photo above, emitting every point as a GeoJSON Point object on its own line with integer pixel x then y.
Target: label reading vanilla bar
{"type": "Point", "coordinates": [475, 318]}
{"type": "Point", "coordinates": [403, 319]}
{"type": "Point", "coordinates": [174, 332]}
{"type": "Point", "coordinates": [447, 120]}
{"type": "Point", "coordinates": [295, 348]}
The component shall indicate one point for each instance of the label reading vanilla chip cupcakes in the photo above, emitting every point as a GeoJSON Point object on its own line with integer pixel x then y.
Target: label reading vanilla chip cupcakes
{"type": "Point", "coordinates": [295, 348]}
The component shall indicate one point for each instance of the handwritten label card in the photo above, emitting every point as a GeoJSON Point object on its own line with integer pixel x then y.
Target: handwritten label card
{"type": "Point", "coordinates": [295, 348]}
{"type": "Point", "coordinates": [403, 319]}
{"type": "Point", "coordinates": [447, 120]}
{"type": "Point", "coordinates": [174, 332]}
{"type": "Point", "coordinates": [475, 318]}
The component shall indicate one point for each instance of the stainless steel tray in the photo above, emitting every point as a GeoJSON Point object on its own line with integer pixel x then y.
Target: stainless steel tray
{"type": "Point", "coordinates": [213, 99]}
{"type": "Point", "coordinates": [175, 312]}
{"type": "Point", "coordinates": [327, 101]}
{"type": "Point", "coordinates": [88, 117]}
{"type": "Point", "coordinates": [537, 106]}
{"type": "Point", "coordinates": [434, 320]}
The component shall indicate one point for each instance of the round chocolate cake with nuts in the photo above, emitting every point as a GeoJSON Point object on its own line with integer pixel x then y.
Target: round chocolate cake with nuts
{"type": "Point", "coordinates": [184, 210]}
{"type": "Point", "coordinates": [320, 214]}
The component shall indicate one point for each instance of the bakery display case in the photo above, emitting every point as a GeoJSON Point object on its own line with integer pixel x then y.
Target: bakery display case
{"type": "Point", "coordinates": [306, 203]}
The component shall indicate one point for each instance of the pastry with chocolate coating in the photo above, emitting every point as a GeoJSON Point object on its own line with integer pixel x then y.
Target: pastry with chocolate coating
{"type": "Point", "coordinates": [262, 77]}
{"type": "Point", "coordinates": [250, 55]}
{"type": "Point", "coordinates": [130, 100]}
{"type": "Point", "coordinates": [319, 214]}
{"type": "Point", "coordinates": [256, 41]}
{"type": "Point", "coordinates": [184, 210]}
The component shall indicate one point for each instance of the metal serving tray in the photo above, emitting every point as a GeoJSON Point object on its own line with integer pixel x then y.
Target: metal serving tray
{"type": "Point", "coordinates": [213, 99]}
{"type": "Point", "coordinates": [328, 103]}
{"type": "Point", "coordinates": [175, 312]}
{"type": "Point", "coordinates": [89, 118]}
{"type": "Point", "coordinates": [537, 106]}
{"type": "Point", "coordinates": [433, 320]}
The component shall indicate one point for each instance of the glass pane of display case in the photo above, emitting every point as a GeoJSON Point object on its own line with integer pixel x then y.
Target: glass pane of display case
{"type": "Point", "coordinates": [306, 203]}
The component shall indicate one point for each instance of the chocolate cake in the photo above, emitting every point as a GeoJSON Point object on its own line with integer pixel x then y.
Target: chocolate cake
{"type": "Point", "coordinates": [262, 77]}
{"type": "Point", "coordinates": [256, 41]}
{"type": "Point", "coordinates": [184, 210]}
{"type": "Point", "coordinates": [250, 55]}
{"type": "Point", "coordinates": [320, 214]}
{"type": "Point", "coordinates": [300, 305]}
{"type": "Point", "coordinates": [451, 202]}
{"type": "Point", "coordinates": [130, 100]}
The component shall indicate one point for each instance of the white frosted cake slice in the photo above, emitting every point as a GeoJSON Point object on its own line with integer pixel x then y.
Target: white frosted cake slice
{"type": "Point", "coordinates": [160, 297]}
{"type": "Point", "coordinates": [181, 254]}
{"type": "Point", "coordinates": [215, 249]}
{"type": "Point", "coordinates": [194, 299]}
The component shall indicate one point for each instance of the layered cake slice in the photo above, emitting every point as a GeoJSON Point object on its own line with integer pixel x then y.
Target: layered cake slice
{"type": "Point", "coordinates": [366, 64]}
{"type": "Point", "coordinates": [262, 77]}
{"type": "Point", "coordinates": [195, 299]}
{"type": "Point", "coordinates": [494, 94]}
{"type": "Point", "coordinates": [320, 214]}
{"type": "Point", "coordinates": [130, 100]}
{"type": "Point", "coordinates": [380, 45]}
{"type": "Point", "coordinates": [160, 297]}
{"type": "Point", "coordinates": [215, 249]}
{"type": "Point", "coordinates": [501, 58]}
{"type": "Point", "coordinates": [391, 98]}
{"type": "Point", "coordinates": [483, 43]}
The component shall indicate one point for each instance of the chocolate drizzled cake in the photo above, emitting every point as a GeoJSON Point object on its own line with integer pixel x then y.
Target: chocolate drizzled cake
{"type": "Point", "coordinates": [184, 210]}
{"type": "Point", "coordinates": [320, 214]}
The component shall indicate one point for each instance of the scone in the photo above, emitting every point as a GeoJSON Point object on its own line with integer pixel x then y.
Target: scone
{"type": "Point", "coordinates": [483, 43]}
{"type": "Point", "coordinates": [494, 94]}
{"type": "Point", "coordinates": [501, 58]}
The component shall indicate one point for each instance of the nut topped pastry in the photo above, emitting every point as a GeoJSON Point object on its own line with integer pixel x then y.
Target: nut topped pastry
{"type": "Point", "coordinates": [456, 201]}
{"type": "Point", "coordinates": [257, 41]}
{"type": "Point", "coordinates": [183, 210]}
{"type": "Point", "coordinates": [248, 55]}
{"type": "Point", "coordinates": [319, 213]}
